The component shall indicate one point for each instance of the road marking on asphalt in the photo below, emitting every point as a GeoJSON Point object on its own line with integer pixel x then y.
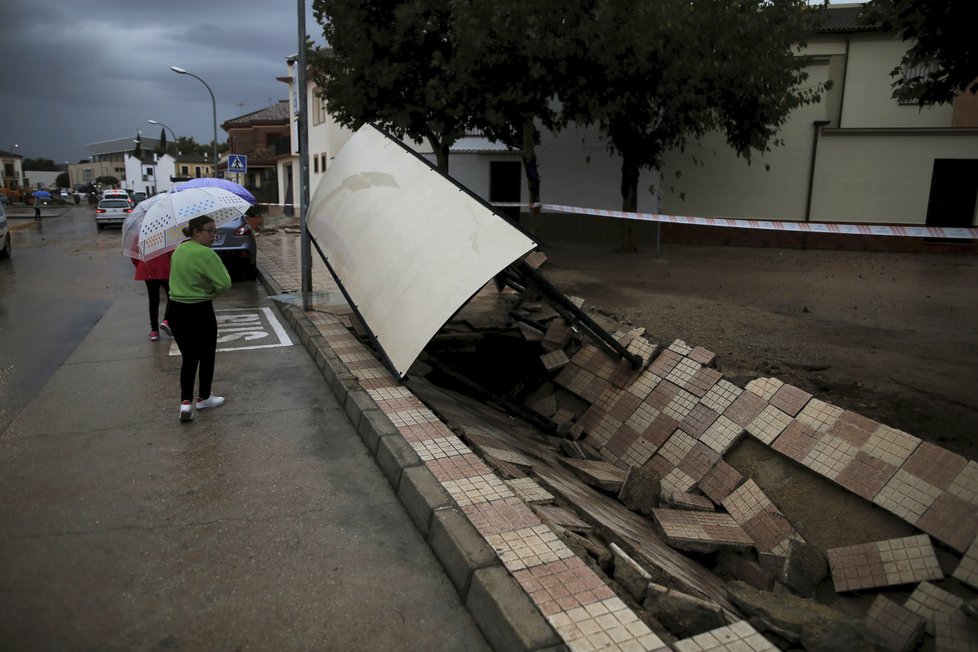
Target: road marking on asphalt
{"type": "Point", "coordinates": [240, 329]}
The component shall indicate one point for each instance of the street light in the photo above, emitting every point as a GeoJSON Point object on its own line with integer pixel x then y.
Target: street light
{"type": "Point", "coordinates": [181, 71]}
{"type": "Point", "coordinates": [155, 122]}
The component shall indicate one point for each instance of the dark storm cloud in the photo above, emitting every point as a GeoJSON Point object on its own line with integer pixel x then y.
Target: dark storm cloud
{"type": "Point", "coordinates": [92, 70]}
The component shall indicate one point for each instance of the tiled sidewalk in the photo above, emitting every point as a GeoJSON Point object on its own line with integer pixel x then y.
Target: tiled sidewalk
{"type": "Point", "coordinates": [578, 605]}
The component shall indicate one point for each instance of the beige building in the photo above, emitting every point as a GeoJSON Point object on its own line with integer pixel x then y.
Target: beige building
{"type": "Point", "coordinates": [857, 156]}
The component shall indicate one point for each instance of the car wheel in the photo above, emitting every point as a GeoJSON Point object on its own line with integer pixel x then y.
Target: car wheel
{"type": "Point", "coordinates": [5, 252]}
{"type": "Point", "coordinates": [99, 226]}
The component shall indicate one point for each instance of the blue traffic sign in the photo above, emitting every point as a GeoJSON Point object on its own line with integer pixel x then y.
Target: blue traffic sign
{"type": "Point", "coordinates": [237, 163]}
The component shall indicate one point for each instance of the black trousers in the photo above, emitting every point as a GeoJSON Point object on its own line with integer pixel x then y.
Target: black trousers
{"type": "Point", "coordinates": [153, 290]}
{"type": "Point", "coordinates": [194, 328]}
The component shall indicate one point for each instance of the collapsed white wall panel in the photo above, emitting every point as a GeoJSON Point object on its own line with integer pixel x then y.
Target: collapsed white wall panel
{"type": "Point", "coordinates": [407, 245]}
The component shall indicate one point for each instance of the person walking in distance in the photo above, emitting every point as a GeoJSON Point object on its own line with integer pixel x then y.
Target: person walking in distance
{"type": "Point", "coordinates": [197, 275]}
{"type": "Point", "coordinates": [155, 272]}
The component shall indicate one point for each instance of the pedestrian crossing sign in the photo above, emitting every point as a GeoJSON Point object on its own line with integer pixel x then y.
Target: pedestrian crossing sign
{"type": "Point", "coordinates": [237, 163]}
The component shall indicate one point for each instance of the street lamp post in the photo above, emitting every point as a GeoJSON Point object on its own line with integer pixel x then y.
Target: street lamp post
{"type": "Point", "coordinates": [156, 122]}
{"type": "Point", "coordinates": [181, 71]}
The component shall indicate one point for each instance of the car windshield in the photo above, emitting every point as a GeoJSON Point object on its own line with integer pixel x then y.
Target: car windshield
{"type": "Point", "coordinates": [114, 203]}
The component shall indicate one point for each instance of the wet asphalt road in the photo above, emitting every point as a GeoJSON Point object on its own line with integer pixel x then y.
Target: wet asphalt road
{"type": "Point", "coordinates": [53, 288]}
{"type": "Point", "coordinates": [264, 524]}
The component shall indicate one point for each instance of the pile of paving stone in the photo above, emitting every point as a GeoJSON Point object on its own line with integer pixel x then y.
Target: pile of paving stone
{"type": "Point", "coordinates": [654, 437]}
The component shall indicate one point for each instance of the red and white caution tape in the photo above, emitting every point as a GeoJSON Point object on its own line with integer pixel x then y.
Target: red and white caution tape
{"type": "Point", "coordinates": [775, 225]}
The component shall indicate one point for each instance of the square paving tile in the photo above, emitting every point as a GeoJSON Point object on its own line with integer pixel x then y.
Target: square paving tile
{"type": "Point", "coordinates": [563, 585]}
{"type": "Point", "coordinates": [865, 475]}
{"type": "Point", "coordinates": [770, 423]}
{"type": "Point", "coordinates": [955, 631]}
{"type": "Point", "coordinates": [528, 547]}
{"type": "Point", "coordinates": [854, 428]}
{"type": "Point", "coordinates": [790, 399]}
{"type": "Point", "coordinates": [561, 517]}
{"type": "Point", "coordinates": [937, 466]}
{"type": "Point", "coordinates": [680, 347]}
{"type": "Point", "coordinates": [681, 405]}
{"type": "Point", "coordinates": [554, 360]}
{"type": "Point", "coordinates": [907, 496]}
{"type": "Point", "coordinates": [764, 387]}
{"type": "Point", "coordinates": [698, 420]}
{"type": "Point", "coordinates": [951, 520]}
{"type": "Point", "coordinates": [432, 449]}
{"type": "Point", "coordinates": [703, 356]}
{"type": "Point", "coordinates": [605, 625]}
{"type": "Point", "coordinates": [721, 396]}
{"type": "Point", "coordinates": [745, 408]}
{"type": "Point", "coordinates": [529, 490]}
{"type": "Point", "coordinates": [928, 600]}
{"type": "Point", "coordinates": [501, 516]}
{"type": "Point", "coordinates": [665, 362]}
{"type": "Point", "coordinates": [891, 445]}
{"type": "Point", "coordinates": [884, 563]}
{"type": "Point", "coordinates": [698, 461]}
{"type": "Point", "coordinates": [720, 481]}
{"type": "Point", "coordinates": [478, 489]}
{"type": "Point", "coordinates": [644, 384]}
{"type": "Point", "coordinates": [639, 452]}
{"type": "Point", "coordinates": [683, 372]}
{"type": "Point", "coordinates": [901, 628]}
{"type": "Point", "coordinates": [457, 467]}
{"type": "Point", "coordinates": [747, 501]}
{"type": "Point", "coordinates": [703, 381]}
{"type": "Point", "coordinates": [661, 430]}
{"type": "Point", "coordinates": [796, 441]}
{"type": "Point", "coordinates": [967, 570]}
{"type": "Point", "coordinates": [687, 529]}
{"type": "Point", "coordinates": [677, 480]}
{"type": "Point", "coordinates": [830, 456]}
{"type": "Point", "coordinates": [642, 417]}
{"type": "Point", "coordinates": [677, 447]}
{"type": "Point", "coordinates": [738, 637]}
{"type": "Point", "coordinates": [820, 415]}
{"type": "Point", "coordinates": [769, 530]}
{"type": "Point", "coordinates": [965, 485]}
{"type": "Point", "coordinates": [690, 501]}
{"type": "Point", "coordinates": [423, 431]}
{"type": "Point", "coordinates": [721, 434]}
{"type": "Point", "coordinates": [662, 395]}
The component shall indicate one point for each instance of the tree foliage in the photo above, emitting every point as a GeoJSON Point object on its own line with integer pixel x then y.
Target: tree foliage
{"type": "Point", "coordinates": [391, 62]}
{"type": "Point", "coordinates": [653, 75]}
{"type": "Point", "coordinates": [40, 165]}
{"type": "Point", "coordinates": [944, 47]}
{"type": "Point", "coordinates": [514, 58]}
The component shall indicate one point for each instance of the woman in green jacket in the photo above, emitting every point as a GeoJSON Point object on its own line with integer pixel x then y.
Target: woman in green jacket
{"type": "Point", "coordinates": [197, 275]}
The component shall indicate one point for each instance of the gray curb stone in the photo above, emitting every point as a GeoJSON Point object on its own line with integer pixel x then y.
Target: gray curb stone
{"type": "Point", "coordinates": [460, 548]}
{"type": "Point", "coordinates": [374, 424]}
{"type": "Point", "coordinates": [504, 612]}
{"type": "Point", "coordinates": [422, 494]}
{"type": "Point", "coordinates": [394, 455]}
{"type": "Point", "coordinates": [506, 615]}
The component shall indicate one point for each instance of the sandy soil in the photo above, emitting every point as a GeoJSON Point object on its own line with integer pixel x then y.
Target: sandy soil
{"type": "Point", "coordinates": [893, 336]}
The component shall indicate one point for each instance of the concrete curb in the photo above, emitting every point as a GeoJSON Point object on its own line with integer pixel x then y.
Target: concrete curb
{"type": "Point", "coordinates": [501, 608]}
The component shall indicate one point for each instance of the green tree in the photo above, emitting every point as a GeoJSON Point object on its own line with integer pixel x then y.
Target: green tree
{"type": "Point", "coordinates": [138, 149]}
{"type": "Point", "coordinates": [653, 75]}
{"type": "Point", "coordinates": [40, 165]}
{"type": "Point", "coordinates": [62, 180]}
{"type": "Point", "coordinates": [515, 57]}
{"type": "Point", "coordinates": [163, 144]}
{"type": "Point", "coordinates": [943, 46]}
{"type": "Point", "coordinates": [392, 63]}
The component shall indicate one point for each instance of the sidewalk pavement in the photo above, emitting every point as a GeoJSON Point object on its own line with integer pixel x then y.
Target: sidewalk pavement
{"type": "Point", "coordinates": [262, 524]}
{"type": "Point", "coordinates": [527, 591]}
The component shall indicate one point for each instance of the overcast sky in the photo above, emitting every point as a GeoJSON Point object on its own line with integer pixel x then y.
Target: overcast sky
{"type": "Point", "coordinates": [83, 71]}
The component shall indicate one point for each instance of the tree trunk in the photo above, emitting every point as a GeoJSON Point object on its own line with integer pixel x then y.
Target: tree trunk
{"type": "Point", "coordinates": [532, 174]}
{"type": "Point", "coordinates": [629, 199]}
{"type": "Point", "coordinates": [441, 152]}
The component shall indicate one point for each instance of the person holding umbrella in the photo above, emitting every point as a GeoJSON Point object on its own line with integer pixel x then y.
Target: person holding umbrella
{"type": "Point", "coordinates": [197, 275]}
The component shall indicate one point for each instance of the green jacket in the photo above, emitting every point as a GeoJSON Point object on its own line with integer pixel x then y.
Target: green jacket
{"type": "Point", "coordinates": [196, 273]}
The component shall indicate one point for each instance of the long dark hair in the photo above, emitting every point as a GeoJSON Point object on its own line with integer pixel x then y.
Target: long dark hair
{"type": "Point", "coordinates": [197, 224]}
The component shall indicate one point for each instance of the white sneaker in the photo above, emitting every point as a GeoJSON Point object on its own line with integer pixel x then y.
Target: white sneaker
{"type": "Point", "coordinates": [211, 401]}
{"type": "Point", "coordinates": [186, 411]}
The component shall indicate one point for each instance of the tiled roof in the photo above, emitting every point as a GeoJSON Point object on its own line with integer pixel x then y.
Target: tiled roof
{"type": "Point", "coordinates": [277, 113]}
{"type": "Point", "coordinates": [845, 18]}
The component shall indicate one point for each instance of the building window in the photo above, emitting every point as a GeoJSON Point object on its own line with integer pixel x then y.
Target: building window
{"type": "Point", "coordinates": [315, 164]}
{"type": "Point", "coordinates": [322, 165]}
{"type": "Point", "coordinates": [914, 76]}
